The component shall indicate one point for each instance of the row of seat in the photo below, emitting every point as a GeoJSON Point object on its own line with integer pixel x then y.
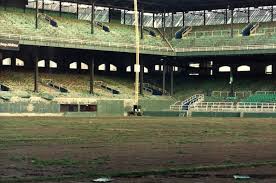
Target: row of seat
{"type": "Point", "coordinates": [16, 21]}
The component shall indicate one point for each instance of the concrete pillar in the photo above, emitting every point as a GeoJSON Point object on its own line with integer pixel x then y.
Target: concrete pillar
{"type": "Point", "coordinates": [172, 81]}
{"type": "Point", "coordinates": [141, 74]}
{"type": "Point", "coordinates": [183, 20]}
{"type": "Point", "coordinates": [232, 22]}
{"type": "Point", "coordinates": [77, 10]}
{"type": "Point", "coordinates": [92, 17]}
{"type": "Point", "coordinates": [142, 24]}
{"type": "Point", "coordinates": [271, 13]}
{"type": "Point", "coordinates": [13, 62]}
{"type": "Point", "coordinates": [164, 78]}
{"type": "Point", "coordinates": [204, 17]}
{"type": "Point", "coordinates": [43, 4]}
{"type": "Point", "coordinates": [226, 16]}
{"type": "Point", "coordinates": [35, 60]}
{"type": "Point", "coordinates": [92, 75]}
{"type": "Point", "coordinates": [36, 15]}
{"type": "Point", "coordinates": [60, 8]}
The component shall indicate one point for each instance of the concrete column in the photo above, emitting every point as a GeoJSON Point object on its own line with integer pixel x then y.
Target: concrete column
{"type": "Point", "coordinates": [60, 8]}
{"type": "Point", "coordinates": [172, 24]}
{"type": "Point", "coordinates": [164, 77]}
{"type": "Point", "coordinates": [77, 10]}
{"type": "Point", "coordinates": [226, 16]}
{"type": "Point", "coordinates": [271, 12]}
{"type": "Point", "coordinates": [35, 60]}
{"type": "Point", "coordinates": [142, 24]}
{"type": "Point", "coordinates": [232, 22]}
{"type": "Point", "coordinates": [153, 20]}
{"type": "Point", "coordinates": [183, 20]}
{"type": "Point", "coordinates": [204, 17]}
{"type": "Point", "coordinates": [248, 15]}
{"type": "Point", "coordinates": [141, 74]}
{"type": "Point", "coordinates": [43, 4]}
{"type": "Point", "coordinates": [13, 62]}
{"type": "Point", "coordinates": [92, 75]}
{"type": "Point", "coordinates": [1, 59]}
{"type": "Point", "coordinates": [172, 81]}
{"type": "Point", "coordinates": [124, 17]}
{"type": "Point", "coordinates": [36, 15]}
{"type": "Point", "coordinates": [92, 17]}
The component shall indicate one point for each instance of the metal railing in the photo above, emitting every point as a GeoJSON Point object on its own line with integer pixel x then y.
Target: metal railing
{"type": "Point", "coordinates": [227, 93]}
{"type": "Point", "coordinates": [213, 106]}
{"type": "Point", "coordinates": [225, 48]}
{"type": "Point", "coordinates": [188, 103]}
{"type": "Point", "coordinates": [231, 107]}
{"type": "Point", "coordinates": [256, 107]}
{"type": "Point", "coordinates": [265, 92]}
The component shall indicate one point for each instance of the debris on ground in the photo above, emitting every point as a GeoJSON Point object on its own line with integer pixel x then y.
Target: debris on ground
{"type": "Point", "coordinates": [103, 179]}
{"type": "Point", "coordinates": [241, 177]}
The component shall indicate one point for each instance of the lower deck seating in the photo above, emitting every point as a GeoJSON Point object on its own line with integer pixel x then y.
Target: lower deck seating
{"type": "Point", "coordinates": [263, 98]}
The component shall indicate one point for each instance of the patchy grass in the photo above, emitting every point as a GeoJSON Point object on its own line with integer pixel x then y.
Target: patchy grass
{"type": "Point", "coordinates": [61, 148]}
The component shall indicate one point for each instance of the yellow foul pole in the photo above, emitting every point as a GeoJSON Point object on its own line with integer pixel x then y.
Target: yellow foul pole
{"type": "Point", "coordinates": [137, 38]}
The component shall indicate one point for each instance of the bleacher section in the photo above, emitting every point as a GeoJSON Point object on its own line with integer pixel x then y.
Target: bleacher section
{"type": "Point", "coordinates": [14, 21]}
{"type": "Point", "coordinates": [262, 98]}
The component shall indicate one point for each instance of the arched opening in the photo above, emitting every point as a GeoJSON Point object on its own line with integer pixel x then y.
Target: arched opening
{"type": "Point", "coordinates": [194, 65]}
{"type": "Point", "coordinates": [175, 69]}
{"type": "Point", "coordinates": [113, 68]}
{"type": "Point", "coordinates": [157, 67]}
{"type": "Point", "coordinates": [225, 69]}
{"type": "Point", "coordinates": [268, 70]}
{"type": "Point", "coordinates": [19, 63]}
{"type": "Point", "coordinates": [53, 64]}
{"type": "Point", "coordinates": [84, 66]}
{"type": "Point", "coordinates": [6, 61]}
{"type": "Point", "coordinates": [41, 63]}
{"type": "Point", "coordinates": [128, 69]}
{"type": "Point", "coordinates": [146, 70]}
{"type": "Point", "coordinates": [101, 67]}
{"type": "Point", "coordinates": [244, 68]}
{"type": "Point", "coordinates": [73, 65]}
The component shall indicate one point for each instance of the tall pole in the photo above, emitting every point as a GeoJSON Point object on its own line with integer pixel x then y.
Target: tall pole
{"type": "Point", "coordinates": [137, 41]}
{"type": "Point", "coordinates": [92, 75]}
{"type": "Point", "coordinates": [43, 4]}
{"type": "Point", "coordinates": [164, 78]}
{"type": "Point", "coordinates": [36, 70]}
{"type": "Point", "coordinates": [204, 17]}
{"type": "Point", "coordinates": [226, 17]}
{"type": "Point", "coordinates": [124, 17]}
{"type": "Point", "coordinates": [153, 20]}
{"type": "Point", "coordinates": [272, 11]}
{"type": "Point", "coordinates": [142, 23]}
{"type": "Point", "coordinates": [232, 22]}
{"type": "Point", "coordinates": [60, 8]}
{"type": "Point", "coordinates": [248, 15]}
{"type": "Point", "coordinates": [172, 24]}
{"type": "Point", "coordinates": [36, 15]}
{"type": "Point", "coordinates": [92, 17]}
{"type": "Point", "coordinates": [183, 20]}
{"type": "Point", "coordinates": [77, 10]}
{"type": "Point", "coordinates": [172, 82]}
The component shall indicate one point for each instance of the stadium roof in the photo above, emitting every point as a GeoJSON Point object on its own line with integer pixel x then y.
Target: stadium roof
{"type": "Point", "coordinates": [178, 5]}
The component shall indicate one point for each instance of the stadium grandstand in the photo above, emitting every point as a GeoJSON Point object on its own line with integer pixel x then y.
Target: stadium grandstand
{"type": "Point", "coordinates": [196, 57]}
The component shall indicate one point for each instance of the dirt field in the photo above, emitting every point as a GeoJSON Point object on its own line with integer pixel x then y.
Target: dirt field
{"type": "Point", "coordinates": [138, 150]}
